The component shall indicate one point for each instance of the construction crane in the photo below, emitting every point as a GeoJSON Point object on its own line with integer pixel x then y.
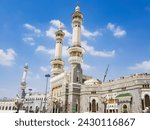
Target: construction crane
{"type": "Point", "coordinates": [106, 73]}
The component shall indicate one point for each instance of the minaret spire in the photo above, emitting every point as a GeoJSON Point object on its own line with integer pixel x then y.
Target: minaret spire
{"type": "Point", "coordinates": [75, 59]}
{"type": "Point", "coordinates": [57, 63]}
{"type": "Point", "coordinates": [76, 51]}
{"type": "Point", "coordinates": [23, 81]}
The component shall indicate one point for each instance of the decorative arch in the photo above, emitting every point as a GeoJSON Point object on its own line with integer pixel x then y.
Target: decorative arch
{"type": "Point", "coordinates": [125, 108]}
{"type": "Point", "coordinates": [94, 105]}
{"type": "Point", "coordinates": [9, 107]}
{"type": "Point", "coordinates": [147, 100]}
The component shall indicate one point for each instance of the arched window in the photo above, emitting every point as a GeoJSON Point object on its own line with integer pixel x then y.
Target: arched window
{"type": "Point", "coordinates": [10, 108]}
{"type": "Point", "coordinates": [147, 101]}
{"type": "Point", "coordinates": [0, 107]}
{"type": "Point", "coordinates": [36, 109]}
{"type": "Point", "coordinates": [125, 108]}
{"type": "Point", "coordinates": [6, 108]}
{"type": "Point", "coordinates": [24, 108]}
{"type": "Point", "coordinates": [3, 108]}
{"type": "Point", "coordinates": [89, 106]}
{"type": "Point", "coordinates": [93, 105]}
{"type": "Point", "coordinates": [30, 107]}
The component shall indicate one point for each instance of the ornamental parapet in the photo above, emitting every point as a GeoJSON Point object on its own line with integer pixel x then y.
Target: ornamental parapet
{"type": "Point", "coordinates": [75, 59]}
{"type": "Point", "coordinates": [57, 61]}
{"type": "Point", "coordinates": [128, 80]}
{"type": "Point", "coordinates": [76, 49]}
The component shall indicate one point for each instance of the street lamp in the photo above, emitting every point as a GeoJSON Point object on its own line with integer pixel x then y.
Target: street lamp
{"type": "Point", "coordinates": [47, 77]}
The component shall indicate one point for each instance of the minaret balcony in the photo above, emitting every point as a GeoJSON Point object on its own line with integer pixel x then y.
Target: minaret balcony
{"type": "Point", "coordinates": [75, 59]}
{"type": "Point", "coordinates": [56, 70]}
{"type": "Point", "coordinates": [76, 49]}
{"type": "Point", "coordinates": [57, 61]}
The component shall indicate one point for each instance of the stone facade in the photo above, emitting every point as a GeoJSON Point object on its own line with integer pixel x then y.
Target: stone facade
{"type": "Point", "coordinates": [33, 103]}
{"type": "Point", "coordinates": [71, 91]}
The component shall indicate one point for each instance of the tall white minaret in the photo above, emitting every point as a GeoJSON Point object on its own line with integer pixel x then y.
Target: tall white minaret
{"type": "Point", "coordinates": [75, 60]}
{"type": "Point", "coordinates": [23, 82]}
{"type": "Point", "coordinates": [57, 63]}
{"type": "Point", "coordinates": [76, 51]}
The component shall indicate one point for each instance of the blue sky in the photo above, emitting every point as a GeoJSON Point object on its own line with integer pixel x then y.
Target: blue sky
{"type": "Point", "coordinates": [114, 32]}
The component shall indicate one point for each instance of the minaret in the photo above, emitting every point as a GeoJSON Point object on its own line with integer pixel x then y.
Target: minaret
{"type": "Point", "coordinates": [75, 59]}
{"type": "Point", "coordinates": [76, 51]}
{"type": "Point", "coordinates": [57, 63]}
{"type": "Point", "coordinates": [21, 95]}
{"type": "Point", "coordinates": [23, 82]}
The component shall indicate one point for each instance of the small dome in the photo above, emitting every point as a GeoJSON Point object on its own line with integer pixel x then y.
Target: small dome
{"type": "Point", "coordinates": [77, 8]}
{"type": "Point", "coordinates": [26, 66]}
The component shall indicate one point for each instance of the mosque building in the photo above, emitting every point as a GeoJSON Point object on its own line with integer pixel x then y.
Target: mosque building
{"type": "Point", "coordinates": [73, 92]}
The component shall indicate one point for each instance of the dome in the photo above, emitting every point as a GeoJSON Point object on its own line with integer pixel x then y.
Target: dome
{"type": "Point", "coordinates": [26, 66]}
{"type": "Point", "coordinates": [77, 8]}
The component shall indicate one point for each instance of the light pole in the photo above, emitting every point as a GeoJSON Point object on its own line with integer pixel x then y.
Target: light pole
{"type": "Point", "coordinates": [47, 77]}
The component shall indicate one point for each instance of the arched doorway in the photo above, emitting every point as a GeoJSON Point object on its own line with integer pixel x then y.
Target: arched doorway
{"type": "Point", "coordinates": [93, 105]}
{"type": "Point", "coordinates": [125, 108]}
{"type": "Point", "coordinates": [147, 101]}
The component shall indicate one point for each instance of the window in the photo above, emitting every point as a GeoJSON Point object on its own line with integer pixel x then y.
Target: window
{"type": "Point", "coordinates": [124, 88]}
{"type": "Point", "coordinates": [89, 106]}
{"type": "Point", "coordinates": [10, 108]}
{"type": "Point", "coordinates": [77, 79]}
{"type": "Point", "coordinates": [147, 101]}
{"type": "Point", "coordinates": [93, 105]}
{"type": "Point", "coordinates": [93, 92]}
{"type": "Point", "coordinates": [125, 108]}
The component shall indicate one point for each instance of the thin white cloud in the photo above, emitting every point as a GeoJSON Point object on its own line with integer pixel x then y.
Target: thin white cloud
{"type": "Point", "coordinates": [33, 76]}
{"type": "Point", "coordinates": [145, 66]}
{"type": "Point", "coordinates": [44, 68]}
{"type": "Point", "coordinates": [117, 30]}
{"type": "Point", "coordinates": [51, 32]}
{"type": "Point", "coordinates": [85, 66]}
{"type": "Point", "coordinates": [7, 58]}
{"type": "Point", "coordinates": [51, 52]}
{"type": "Point", "coordinates": [29, 40]}
{"type": "Point", "coordinates": [54, 25]}
{"type": "Point", "coordinates": [91, 50]}
{"type": "Point", "coordinates": [32, 28]}
{"type": "Point", "coordinates": [43, 49]}
{"type": "Point", "coordinates": [89, 34]}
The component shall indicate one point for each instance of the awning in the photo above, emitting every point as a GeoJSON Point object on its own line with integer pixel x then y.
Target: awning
{"type": "Point", "coordinates": [124, 95]}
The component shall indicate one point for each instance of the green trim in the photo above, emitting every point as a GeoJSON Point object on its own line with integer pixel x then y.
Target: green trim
{"type": "Point", "coordinates": [124, 95]}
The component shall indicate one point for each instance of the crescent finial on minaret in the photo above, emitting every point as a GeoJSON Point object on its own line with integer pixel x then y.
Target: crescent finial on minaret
{"type": "Point", "coordinates": [60, 26]}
